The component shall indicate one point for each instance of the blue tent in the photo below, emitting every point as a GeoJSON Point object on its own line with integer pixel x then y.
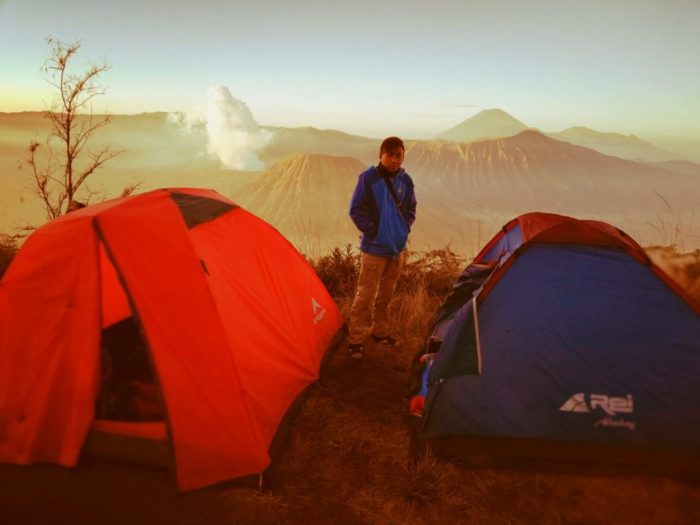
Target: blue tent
{"type": "Point", "coordinates": [563, 333]}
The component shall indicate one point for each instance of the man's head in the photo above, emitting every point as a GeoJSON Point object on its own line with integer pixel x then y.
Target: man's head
{"type": "Point", "coordinates": [391, 153]}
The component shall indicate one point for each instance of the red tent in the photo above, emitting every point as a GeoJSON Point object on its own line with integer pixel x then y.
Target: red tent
{"type": "Point", "coordinates": [234, 319]}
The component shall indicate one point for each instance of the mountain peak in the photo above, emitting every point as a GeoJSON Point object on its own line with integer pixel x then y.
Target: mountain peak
{"type": "Point", "coordinates": [487, 124]}
{"type": "Point", "coordinates": [494, 113]}
{"type": "Point", "coordinates": [531, 134]}
{"type": "Point", "coordinates": [316, 161]}
{"type": "Point", "coordinates": [579, 129]}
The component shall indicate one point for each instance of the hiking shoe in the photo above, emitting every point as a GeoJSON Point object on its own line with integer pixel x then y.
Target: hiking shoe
{"type": "Point", "coordinates": [355, 351]}
{"type": "Point", "coordinates": [385, 340]}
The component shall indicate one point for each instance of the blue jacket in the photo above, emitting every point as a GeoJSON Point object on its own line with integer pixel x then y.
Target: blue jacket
{"type": "Point", "coordinates": [384, 226]}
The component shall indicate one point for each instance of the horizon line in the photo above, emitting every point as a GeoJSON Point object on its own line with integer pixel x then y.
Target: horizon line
{"type": "Point", "coordinates": [655, 136]}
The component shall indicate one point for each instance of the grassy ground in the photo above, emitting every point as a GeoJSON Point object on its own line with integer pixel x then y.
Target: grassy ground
{"type": "Point", "coordinates": [347, 460]}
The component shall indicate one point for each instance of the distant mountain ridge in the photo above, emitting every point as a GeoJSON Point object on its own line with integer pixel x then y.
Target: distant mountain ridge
{"type": "Point", "coordinates": [623, 146]}
{"type": "Point", "coordinates": [487, 124]}
{"type": "Point", "coordinates": [292, 141]}
{"type": "Point", "coordinates": [491, 181]}
{"type": "Point", "coordinates": [464, 188]}
{"type": "Point", "coordinates": [496, 123]}
{"type": "Point", "coordinates": [453, 171]}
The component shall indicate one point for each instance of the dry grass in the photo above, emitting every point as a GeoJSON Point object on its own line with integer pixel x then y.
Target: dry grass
{"type": "Point", "coordinates": [683, 268]}
{"type": "Point", "coordinates": [347, 459]}
{"type": "Point", "coordinates": [8, 249]}
{"type": "Point", "coordinates": [431, 272]}
{"type": "Point", "coordinates": [352, 438]}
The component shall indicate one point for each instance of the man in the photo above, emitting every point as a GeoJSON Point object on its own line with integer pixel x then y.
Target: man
{"type": "Point", "coordinates": [383, 208]}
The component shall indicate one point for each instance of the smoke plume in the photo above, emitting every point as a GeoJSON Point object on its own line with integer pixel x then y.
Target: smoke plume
{"type": "Point", "coordinates": [233, 136]}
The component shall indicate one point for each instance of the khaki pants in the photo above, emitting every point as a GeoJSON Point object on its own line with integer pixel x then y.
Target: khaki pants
{"type": "Point", "coordinates": [375, 288]}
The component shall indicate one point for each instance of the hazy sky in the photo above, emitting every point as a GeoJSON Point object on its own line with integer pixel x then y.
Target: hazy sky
{"type": "Point", "coordinates": [409, 67]}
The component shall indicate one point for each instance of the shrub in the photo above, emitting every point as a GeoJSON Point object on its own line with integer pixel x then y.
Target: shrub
{"type": "Point", "coordinates": [338, 271]}
{"type": "Point", "coordinates": [8, 249]}
{"type": "Point", "coordinates": [431, 272]}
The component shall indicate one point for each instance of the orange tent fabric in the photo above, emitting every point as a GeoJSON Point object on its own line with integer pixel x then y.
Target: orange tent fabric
{"type": "Point", "coordinates": [235, 320]}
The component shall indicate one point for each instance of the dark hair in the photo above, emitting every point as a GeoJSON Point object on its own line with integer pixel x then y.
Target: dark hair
{"type": "Point", "coordinates": [390, 143]}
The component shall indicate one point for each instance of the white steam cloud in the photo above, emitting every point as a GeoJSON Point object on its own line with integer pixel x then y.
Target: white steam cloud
{"type": "Point", "coordinates": [233, 136]}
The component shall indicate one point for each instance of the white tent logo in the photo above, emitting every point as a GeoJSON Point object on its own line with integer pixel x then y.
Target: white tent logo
{"type": "Point", "coordinates": [576, 403]}
{"type": "Point", "coordinates": [319, 311]}
{"type": "Point", "coordinates": [611, 406]}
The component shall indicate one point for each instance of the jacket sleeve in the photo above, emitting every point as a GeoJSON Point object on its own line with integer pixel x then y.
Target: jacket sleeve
{"type": "Point", "coordinates": [408, 210]}
{"type": "Point", "coordinates": [360, 206]}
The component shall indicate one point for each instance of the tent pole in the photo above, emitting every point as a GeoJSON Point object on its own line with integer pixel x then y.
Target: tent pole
{"type": "Point", "coordinates": [476, 333]}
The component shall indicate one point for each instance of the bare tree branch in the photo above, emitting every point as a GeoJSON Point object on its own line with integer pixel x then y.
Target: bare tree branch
{"type": "Point", "coordinates": [131, 188]}
{"type": "Point", "coordinates": [84, 133]}
{"type": "Point", "coordinates": [57, 183]}
{"type": "Point", "coordinates": [97, 161]}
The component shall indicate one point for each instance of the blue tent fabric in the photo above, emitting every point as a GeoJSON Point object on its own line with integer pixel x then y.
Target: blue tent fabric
{"type": "Point", "coordinates": [464, 288]}
{"type": "Point", "coordinates": [458, 353]}
{"type": "Point", "coordinates": [512, 238]}
{"type": "Point", "coordinates": [579, 344]}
